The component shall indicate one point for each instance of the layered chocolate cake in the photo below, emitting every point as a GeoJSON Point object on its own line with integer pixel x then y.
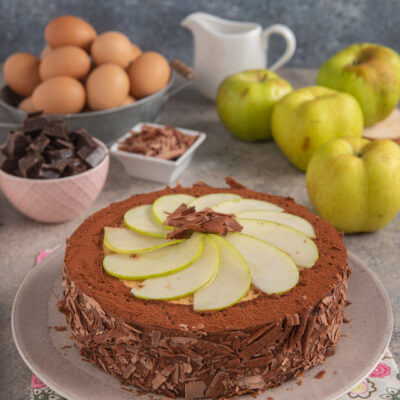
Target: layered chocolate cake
{"type": "Point", "coordinates": [133, 317]}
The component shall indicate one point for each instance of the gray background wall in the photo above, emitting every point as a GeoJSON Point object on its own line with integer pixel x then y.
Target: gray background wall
{"type": "Point", "coordinates": [322, 27]}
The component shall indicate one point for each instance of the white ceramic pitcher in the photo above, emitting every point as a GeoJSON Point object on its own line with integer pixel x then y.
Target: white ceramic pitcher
{"type": "Point", "coordinates": [223, 47]}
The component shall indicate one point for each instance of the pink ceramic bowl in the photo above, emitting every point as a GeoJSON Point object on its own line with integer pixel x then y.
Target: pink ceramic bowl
{"type": "Point", "coordinates": [55, 200]}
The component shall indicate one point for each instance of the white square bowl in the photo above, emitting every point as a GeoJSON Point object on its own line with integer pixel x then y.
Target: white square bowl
{"type": "Point", "coordinates": [153, 168]}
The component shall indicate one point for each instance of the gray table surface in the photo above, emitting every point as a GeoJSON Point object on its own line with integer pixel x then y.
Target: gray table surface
{"type": "Point", "coordinates": [260, 166]}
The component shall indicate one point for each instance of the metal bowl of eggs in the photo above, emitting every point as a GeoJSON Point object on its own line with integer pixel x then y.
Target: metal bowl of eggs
{"type": "Point", "coordinates": [110, 124]}
{"type": "Point", "coordinates": [103, 83]}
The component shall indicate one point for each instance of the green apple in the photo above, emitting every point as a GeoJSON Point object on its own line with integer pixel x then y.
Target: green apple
{"type": "Point", "coordinates": [230, 284]}
{"type": "Point", "coordinates": [128, 241]}
{"type": "Point", "coordinates": [370, 73]}
{"type": "Point", "coordinates": [164, 261]}
{"type": "Point", "coordinates": [186, 281]}
{"type": "Point", "coordinates": [298, 246]}
{"type": "Point", "coordinates": [355, 183]}
{"type": "Point", "coordinates": [311, 116]}
{"type": "Point", "coordinates": [245, 102]}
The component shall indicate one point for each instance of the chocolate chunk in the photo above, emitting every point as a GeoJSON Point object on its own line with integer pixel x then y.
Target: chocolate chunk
{"type": "Point", "coordinates": [84, 152]}
{"type": "Point", "coordinates": [46, 171]}
{"type": "Point", "coordinates": [58, 165]}
{"type": "Point", "coordinates": [62, 154]}
{"type": "Point", "coordinates": [30, 164]}
{"type": "Point", "coordinates": [56, 128]}
{"type": "Point", "coordinates": [16, 145]}
{"type": "Point", "coordinates": [95, 157]}
{"type": "Point", "coordinates": [34, 123]}
{"type": "Point", "coordinates": [64, 143]}
{"type": "Point", "coordinates": [74, 167]}
{"type": "Point", "coordinates": [81, 138]}
{"type": "Point", "coordinates": [39, 144]}
{"type": "Point", "coordinates": [10, 165]}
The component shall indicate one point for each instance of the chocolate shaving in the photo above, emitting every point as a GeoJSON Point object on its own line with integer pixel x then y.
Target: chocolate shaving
{"type": "Point", "coordinates": [320, 374]}
{"type": "Point", "coordinates": [186, 219]}
{"type": "Point", "coordinates": [233, 183]}
{"type": "Point", "coordinates": [195, 390]}
{"type": "Point", "coordinates": [165, 142]}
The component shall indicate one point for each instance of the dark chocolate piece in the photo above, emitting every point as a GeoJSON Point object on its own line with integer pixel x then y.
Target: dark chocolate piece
{"type": "Point", "coordinates": [39, 144]}
{"type": "Point", "coordinates": [56, 128]}
{"type": "Point", "coordinates": [53, 155]}
{"type": "Point", "coordinates": [64, 143]}
{"type": "Point", "coordinates": [34, 123]}
{"type": "Point", "coordinates": [81, 138]}
{"type": "Point", "coordinates": [10, 165]}
{"type": "Point", "coordinates": [29, 165]}
{"type": "Point", "coordinates": [16, 145]}
{"type": "Point", "coordinates": [95, 157]}
{"type": "Point", "coordinates": [74, 167]}
{"type": "Point", "coordinates": [46, 171]}
{"type": "Point", "coordinates": [84, 152]}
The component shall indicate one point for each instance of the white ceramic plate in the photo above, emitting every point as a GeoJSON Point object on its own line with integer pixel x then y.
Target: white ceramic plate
{"type": "Point", "coordinates": [361, 346]}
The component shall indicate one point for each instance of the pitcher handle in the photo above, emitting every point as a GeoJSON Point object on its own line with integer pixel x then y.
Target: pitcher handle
{"type": "Point", "coordinates": [187, 73]}
{"type": "Point", "coordinates": [290, 40]}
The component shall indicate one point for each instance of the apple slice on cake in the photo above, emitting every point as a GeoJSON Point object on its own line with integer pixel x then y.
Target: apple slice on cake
{"type": "Point", "coordinates": [283, 218]}
{"type": "Point", "coordinates": [272, 270]}
{"type": "Point", "coordinates": [128, 241]}
{"type": "Point", "coordinates": [157, 262]}
{"type": "Point", "coordinates": [298, 246]}
{"type": "Point", "coordinates": [186, 281]}
{"type": "Point", "coordinates": [230, 284]}
{"type": "Point", "coordinates": [168, 204]}
{"type": "Point", "coordinates": [141, 220]}
{"type": "Point", "coordinates": [238, 205]}
{"type": "Point", "coordinates": [210, 200]}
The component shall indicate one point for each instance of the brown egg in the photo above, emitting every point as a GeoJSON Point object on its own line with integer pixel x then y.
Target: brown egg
{"type": "Point", "coordinates": [65, 61]}
{"type": "Point", "coordinates": [136, 52]}
{"type": "Point", "coordinates": [21, 73]}
{"type": "Point", "coordinates": [27, 105]}
{"type": "Point", "coordinates": [68, 30]}
{"type": "Point", "coordinates": [148, 74]}
{"type": "Point", "coordinates": [59, 95]}
{"type": "Point", "coordinates": [46, 50]}
{"type": "Point", "coordinates": [128, 100]}
{"type": "Point", "coordinates": [112, 47]}
{"type": "Point", "coordinates": [107, 87]}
